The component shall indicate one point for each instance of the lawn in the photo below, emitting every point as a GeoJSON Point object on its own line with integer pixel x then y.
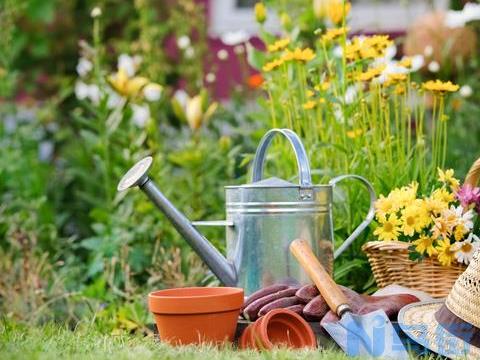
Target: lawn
{"type": "Point", "coordinates": [86, 342]}
{"type": "Point", "coordinates": [53, 341]}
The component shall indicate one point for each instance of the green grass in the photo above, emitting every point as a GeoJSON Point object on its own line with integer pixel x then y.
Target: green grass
{"type": "Point", "coordinates": [55, 341]}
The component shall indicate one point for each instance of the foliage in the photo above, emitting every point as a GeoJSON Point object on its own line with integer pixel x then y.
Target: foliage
{"type": "Point", "coordinates": [357, 108]}
{"type": "Point", "coordinates": [77, 251]}
{"type": "Point", "coordinates": [73, 246]}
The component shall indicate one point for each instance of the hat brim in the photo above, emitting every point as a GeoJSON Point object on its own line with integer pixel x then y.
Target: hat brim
{"type": "Point", "coordinates": [417, 320]}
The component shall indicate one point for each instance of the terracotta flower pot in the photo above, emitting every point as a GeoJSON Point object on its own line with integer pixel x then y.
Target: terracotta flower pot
{"type": "Point", "coordinates": [279, 327]}
{"type": "Point", "coordinates": [197, 314]}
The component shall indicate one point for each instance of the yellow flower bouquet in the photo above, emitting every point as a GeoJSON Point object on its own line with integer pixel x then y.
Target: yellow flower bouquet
{"type": "Point", "coordinates": [440, 225]}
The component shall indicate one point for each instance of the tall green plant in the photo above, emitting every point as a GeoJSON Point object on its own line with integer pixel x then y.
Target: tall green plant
{"type": "Point", "coordinates": [358, 111]}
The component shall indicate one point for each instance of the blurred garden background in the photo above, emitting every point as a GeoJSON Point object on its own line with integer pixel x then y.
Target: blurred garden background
{"type": "Point", "coordinates": [87, 88]}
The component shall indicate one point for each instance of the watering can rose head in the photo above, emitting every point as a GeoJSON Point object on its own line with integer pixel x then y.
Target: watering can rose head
{"type": "Point", "coordinates": [263, 217]}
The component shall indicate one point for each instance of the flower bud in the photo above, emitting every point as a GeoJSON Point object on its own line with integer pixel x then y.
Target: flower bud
{"type": "Point", "coordinates": [286, 21]}
{"type": "Point", "coordinates": [260, 12]}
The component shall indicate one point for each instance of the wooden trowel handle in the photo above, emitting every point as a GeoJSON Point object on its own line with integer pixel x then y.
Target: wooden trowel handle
{"type": "Point", "coordinates": [330, 291]}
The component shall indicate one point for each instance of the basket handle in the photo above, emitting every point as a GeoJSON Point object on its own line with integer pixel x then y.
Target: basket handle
{"type": "Point", "coordinates": [473, 174]}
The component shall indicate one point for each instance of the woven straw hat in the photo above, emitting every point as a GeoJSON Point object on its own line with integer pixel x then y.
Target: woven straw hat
{"type": "Point", "coordinates": [452, 327]}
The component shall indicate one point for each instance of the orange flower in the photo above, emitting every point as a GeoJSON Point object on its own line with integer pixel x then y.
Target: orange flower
{"type": "Point", "coordinates": [254, 81]}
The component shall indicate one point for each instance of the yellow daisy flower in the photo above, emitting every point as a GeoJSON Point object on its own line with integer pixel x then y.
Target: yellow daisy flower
{"type": "Point", "coordinates": [370, 73]}
{"type": "Point", "coordinates": [336, 10]}
{"type": "Point", "coordinates": [439, 86]}
{"type": "Point", "coordinates": [447, 178]}
{"type": "Point", "coordinates": [407, 194]}
{"type": "Point", "coordinates": [334, 33]}
{"type": "Point", "coordinates": [378, 42]}
{"type": "Point", "coordinates": [406, 62]}
{"type": "Point", "coordinates": [435, 206]}
{"type": "Point", "coordinates": [460, 231]}
{"type": "Point", "coordinates": [400, 89]}
{"type": "Point", "coordinates": [298, 54]}
{"type": "Point", "coordinates": [272, 65]}
{"type": "Point", "coordinates": [425, 244]}
{"type": "Point", "coordinates": [324, 86]}
{"type": "Point", "coordinates": [444, 224]}
{"type": "Point", "coordinates": [446, 255]}
{"type": "Point", "coordinates": [352, 134]}
{"type": "Point", "coordinates": [389, 228]}
{"type": "Point", "coordinates": [394, 79]}
{"type": "Point", "coordinates": [278, 45]}
{"type": "Point", "coordinates": [384, 206]}
{"type": "Point", "coordinates": [414, 219]}
{"type": "Point", "coordinates": [443, 195]}
{"type": "Point", "coordinates": [309, 105]}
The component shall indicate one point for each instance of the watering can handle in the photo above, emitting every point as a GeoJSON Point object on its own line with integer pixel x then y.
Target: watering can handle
{"type": "Point", "coordinates": [370, 215]}
{"type": "Point", "coordinates": [300, 154]}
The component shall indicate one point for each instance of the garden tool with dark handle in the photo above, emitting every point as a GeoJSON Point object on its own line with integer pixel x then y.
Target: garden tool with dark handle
{"type": "Point", "coordinates": [263, 216]}
{"type": "Point", "coordinates": [358, 335]}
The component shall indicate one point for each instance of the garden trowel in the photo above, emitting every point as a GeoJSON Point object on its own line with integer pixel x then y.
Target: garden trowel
{"type": "Point", "coordinates": [371, 334]}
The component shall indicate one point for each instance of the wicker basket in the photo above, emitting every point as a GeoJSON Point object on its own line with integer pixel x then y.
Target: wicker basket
{"type": "Point", "coordinates": [391, 265]}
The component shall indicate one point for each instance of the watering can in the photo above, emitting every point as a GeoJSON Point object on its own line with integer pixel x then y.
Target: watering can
{"type": "Point", "coordinates": [263, 217]}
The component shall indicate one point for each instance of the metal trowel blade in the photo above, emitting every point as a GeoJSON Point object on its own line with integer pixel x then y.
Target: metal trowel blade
{"type": "Point", "coordinates": [370, 334]}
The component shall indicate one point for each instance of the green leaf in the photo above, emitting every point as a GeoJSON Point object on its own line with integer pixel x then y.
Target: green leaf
{"type": "Point", "coordinates": [41, 10]}
{"type": "Point", "coordinates": [255, 58]}
{"type": "Point", "coordinates": [178, 110]}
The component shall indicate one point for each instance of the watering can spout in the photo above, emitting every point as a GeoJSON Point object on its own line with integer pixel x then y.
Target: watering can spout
{"type": "Point", "coordinates": [220, 266]}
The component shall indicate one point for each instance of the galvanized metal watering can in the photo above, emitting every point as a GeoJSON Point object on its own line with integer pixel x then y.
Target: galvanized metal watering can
{"type": "Point", "coordinates": [263, 217]}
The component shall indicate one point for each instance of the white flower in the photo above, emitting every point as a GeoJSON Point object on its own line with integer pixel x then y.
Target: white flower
{"type": "Point", "coordinates": [222, 54]}
{"type": "Point", "coordinates": [152, 92]}
{"type": "Point", "coordinates": [84, 66]}
{"type": "Point", "coordinates": [81, 90]}
{"type": "Point", "coordinates": [338, 52]}
{"type": "Point", "coordinates": [338, 112]}
{"type": "Point", "coordinates": [455, 19]}
{"type": "Point", "coordinates": [128, 63]}
{"type": "Point", "coordinates": [391, 68]}
{"type": "Point", "coordinates": [428, 51]}
{"type": "Point", "coordinates": [94, 94]}
{"type": "Point", "coordinates": [210, 78]}
{"type": "Point", "coordinates": [434, 67]}
{"type": "Point", "coordinates": [417, 62]}
{"type": "Point", "coordinates": [182, 97]}
{"type": "Point", "coordinates": [351, 94]}
{"type": "Point", "coordinates": [114, 99]}
{"type": "Point", "coordinates": [466, 91]}
{"type": "Point", "coordinates": [45, 150]}
{"type": "Point", "coordinates": [232, 38]}
{"type": "Point", "coordinates": [465, 249]}
{"type": "Point", "coordinates": [466, 218]}
{"type": "Point", "coordinates": [10, 124]}
{"type": "Point", "coordinates": [183, 42]}
{"type": "Point", "coordinates": [390, 53]}
{"type": "Point", "coordinates": [141, 114]}
{"type": "Point", "coordinates": [190, 52]}
{"type": "Point", "coordinates": [96, 12]}
{"type": "Point", "coordinates": [85, 91]}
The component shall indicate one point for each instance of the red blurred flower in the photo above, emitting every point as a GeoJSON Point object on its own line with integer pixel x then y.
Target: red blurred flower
{"type": "Point", "coordinates": [255, 81]}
